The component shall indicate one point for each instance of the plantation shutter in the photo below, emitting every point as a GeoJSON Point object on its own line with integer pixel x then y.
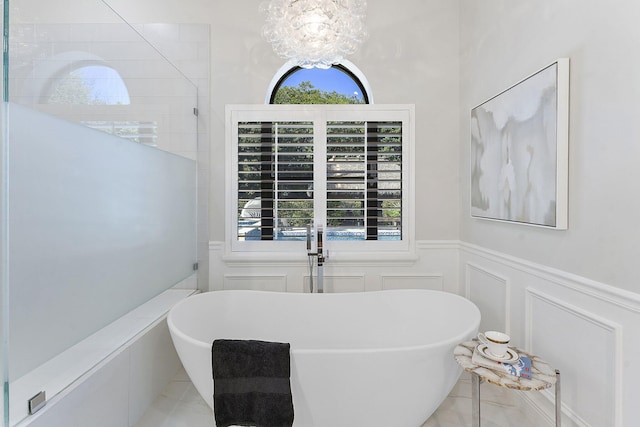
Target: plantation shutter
{"type": "Point", "coordinates": [364, 180]}
{"type": "Point", "coordinates": [347, 170]}
{"type": "Point", "coordinates": [275, 180]}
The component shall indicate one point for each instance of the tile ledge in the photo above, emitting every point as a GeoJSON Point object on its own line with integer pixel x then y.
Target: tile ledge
{"type": "Point", "coordinates": [59, 373]}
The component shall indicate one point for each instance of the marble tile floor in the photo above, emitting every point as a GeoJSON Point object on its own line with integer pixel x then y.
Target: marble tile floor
{"type": "Point", "coordinates": [180, 405]}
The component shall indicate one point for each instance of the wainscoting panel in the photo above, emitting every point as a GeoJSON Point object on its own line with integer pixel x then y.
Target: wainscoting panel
{"type": "Point", "coordinates": [585, 347]}
{"type": "Point", "coordinates": [586, 329]}
{"type": "Point", "coordinates": [433, 282]}
{"type": "Point", "coordinates": [433, 265]}
{"type": "Point", "coordinates": [255, 283]}
{"type": "Point", "coordinates": [336, 284]}
{"type": "Point", "coordinates": [490, 292]}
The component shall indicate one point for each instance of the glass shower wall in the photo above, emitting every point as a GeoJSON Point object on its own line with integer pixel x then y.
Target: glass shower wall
{"type": "Point", "coordinates": [78, 60]}
{"type": "Point", "coordinates": [99, 213]}
{"type": "Point", "coordinates": [97, 227]}
{"type": "Point", "coordinates": [4, 282]}
{"type": "Point", "coordinates": [4, 271]}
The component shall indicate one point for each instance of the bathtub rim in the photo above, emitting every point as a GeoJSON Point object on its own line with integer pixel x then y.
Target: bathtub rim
{"type": "Point", "coordinates": [454, 340]}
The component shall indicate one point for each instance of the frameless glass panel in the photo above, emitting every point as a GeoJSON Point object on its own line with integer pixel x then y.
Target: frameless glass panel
{"type": "Point", "coordinates": [90, 67]}
{"type": "Point", "coordinates": [4, 281]}
{"type": "Point", "coordinates": [96, 225]}
{"type": "Point", "coordinates": [4, 271]}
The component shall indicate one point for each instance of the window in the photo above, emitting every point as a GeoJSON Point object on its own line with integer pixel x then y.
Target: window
{"type": "Point", "coordinates": [103, 94]}
{"type": "Point", "coordinates": [343, 83]}
{"type": "Point", "coordinates": [347, 168]}
{"type": "Point", "coordinates": [335, 85]}
{"type": "Point", "coordinates": [89, 85]}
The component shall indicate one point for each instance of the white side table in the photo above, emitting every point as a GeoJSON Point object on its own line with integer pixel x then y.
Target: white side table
{"type": "Point", "coordinates": [543, 376]}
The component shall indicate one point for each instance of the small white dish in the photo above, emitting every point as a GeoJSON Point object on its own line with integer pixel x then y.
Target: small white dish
{"type": "Point", "coordinates": [510, 356]}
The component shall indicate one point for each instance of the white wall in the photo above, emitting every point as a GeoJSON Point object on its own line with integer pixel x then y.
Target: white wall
{"type": "Point", "coordinates": [410, 57]}
{"type": "Point", "coordinates": [501, 43]}
{"type": "Point", "coordinates": [570, 296]}
{"type": "Point", "coordinates": [402, 64]}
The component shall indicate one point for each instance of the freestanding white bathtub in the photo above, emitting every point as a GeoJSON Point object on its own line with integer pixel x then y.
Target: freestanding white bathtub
{"type": "Point", "coordinates": [357, 359]}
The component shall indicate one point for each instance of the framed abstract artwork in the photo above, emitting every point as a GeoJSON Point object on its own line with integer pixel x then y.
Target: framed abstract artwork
{"type": "Point", "coordinates": [520, 149]}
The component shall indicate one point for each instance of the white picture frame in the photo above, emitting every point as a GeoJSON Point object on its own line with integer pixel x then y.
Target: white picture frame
{"type": "Point", "coordinates": [519, 151]}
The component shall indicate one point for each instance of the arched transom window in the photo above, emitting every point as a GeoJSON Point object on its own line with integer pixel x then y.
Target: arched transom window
{"type": "Point", "coordinates": [339, 84]}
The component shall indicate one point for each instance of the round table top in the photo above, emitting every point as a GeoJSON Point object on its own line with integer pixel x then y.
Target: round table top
{"type": "Point", "coordinates": [542, 375]}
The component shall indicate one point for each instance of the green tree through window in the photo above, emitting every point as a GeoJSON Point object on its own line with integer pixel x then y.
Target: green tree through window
{"type": "Point", "coordinates": [306, 93]}
{"type": "Point", "coordinates": [89, 85]}
{"type": "Point", "coordinates": [335, 85]}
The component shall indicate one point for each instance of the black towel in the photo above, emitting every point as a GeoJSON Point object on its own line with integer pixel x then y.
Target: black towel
{"type": "Point", "coordinates": [251, 384]}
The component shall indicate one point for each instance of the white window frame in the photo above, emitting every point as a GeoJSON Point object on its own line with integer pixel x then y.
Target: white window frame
{"type": "Point", "coordinates": [404, 113]}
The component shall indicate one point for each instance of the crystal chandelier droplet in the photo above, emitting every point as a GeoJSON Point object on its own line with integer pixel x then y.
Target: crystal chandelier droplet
{"type": "Point", "coordinates": [314, 33]}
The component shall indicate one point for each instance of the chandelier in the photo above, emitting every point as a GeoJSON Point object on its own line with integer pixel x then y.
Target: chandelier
{"type": "Point", "coordinates": [314, 33]}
